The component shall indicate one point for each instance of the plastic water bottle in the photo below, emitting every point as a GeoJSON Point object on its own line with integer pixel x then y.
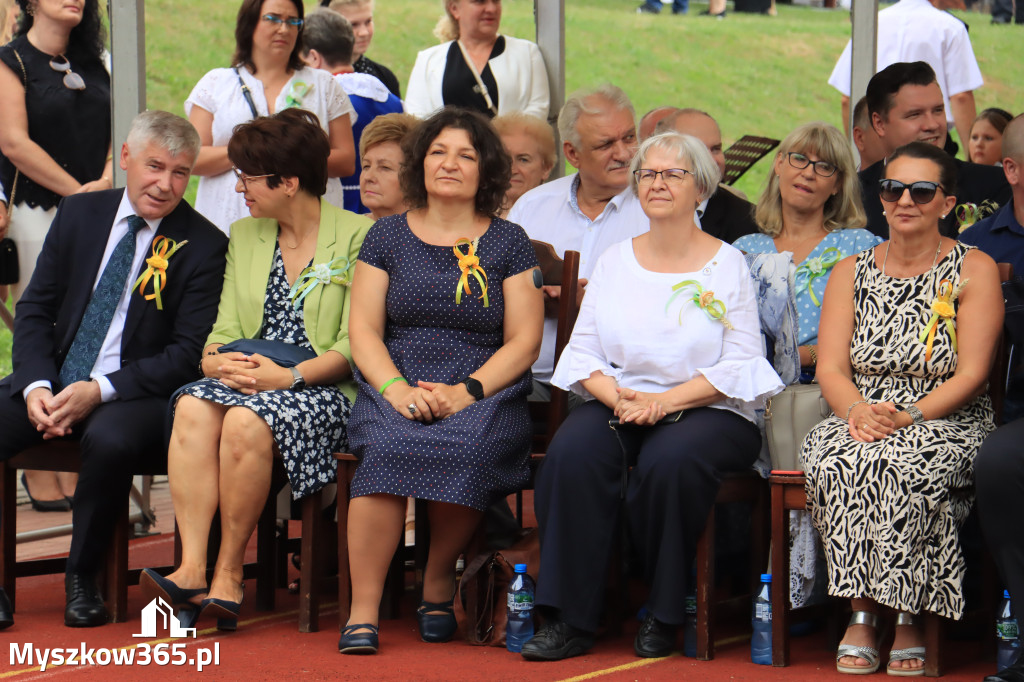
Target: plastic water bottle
{"type": "Point", "coordinates": [1006, 634]}
{"type": "Point", "coordinates": [761, 642]}
{"type": "Point", "coordinates": [690, 625]}
{"type": "Point", "coordinates": [520, 610]}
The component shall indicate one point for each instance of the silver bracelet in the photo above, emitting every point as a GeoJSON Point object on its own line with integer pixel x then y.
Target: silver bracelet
{"type": "Point", "coordinates": [859, 402]}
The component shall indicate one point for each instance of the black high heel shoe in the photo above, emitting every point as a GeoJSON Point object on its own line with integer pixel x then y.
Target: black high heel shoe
{"type": "Point", "coordinates": [155, 585]}
{"type": "Point", "coordinates": [436, 627]}
{"type": "Point", "coordinates": [225, 611]}
{"type": "Point", "coordinates": [61, 505]}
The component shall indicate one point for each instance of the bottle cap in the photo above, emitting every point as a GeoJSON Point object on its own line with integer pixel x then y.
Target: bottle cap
{"type": "Point", "coordinates": [766, 577]}
{"type": "Point", "coordinates": [520, 568]}
{"type": "Point", "coordinates": [1006, 594]}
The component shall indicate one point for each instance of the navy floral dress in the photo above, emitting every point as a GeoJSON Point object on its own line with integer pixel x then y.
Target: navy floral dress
{"type": "Point", "coordinates": [308, 426]}
{"type": "Point", "coordinates": [480, 453]}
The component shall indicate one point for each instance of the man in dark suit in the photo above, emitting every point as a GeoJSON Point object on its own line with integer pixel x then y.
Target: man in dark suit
{"type": "Point", "coordinates": [905, 104]}
{"type": "Point", "coordinates": [96, 355]}
{"type": "Point", "coordinates": [724, 214]}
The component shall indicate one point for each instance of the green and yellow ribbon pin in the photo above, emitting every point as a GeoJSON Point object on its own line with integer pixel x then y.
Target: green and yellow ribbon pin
{"type": "Point", "coordinates": [469, 263]}
{"type": "Point", "coordinates": [297, 93]}
{"type": "Point", "coordinates": [163, 249]}
{"type": "Point", "coordinates": [942, 308]}
{"type": "Point", "coordinates": [816, 267]}
{"type": "Point", "coordinates": [336, 271]}
{"type": "Point", "coordinates": [969, 213]}
{"type": "Point", "coordinates": [705, 300]}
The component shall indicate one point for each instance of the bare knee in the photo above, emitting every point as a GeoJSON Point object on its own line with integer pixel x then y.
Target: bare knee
{"type": "Point", "coordinates": [245, 436]}
{"type": "Point", "coordinates": [195, 417]}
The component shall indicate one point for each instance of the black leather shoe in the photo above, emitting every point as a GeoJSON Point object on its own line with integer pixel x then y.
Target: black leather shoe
{"type": "Point", "coordinates": [6, 612]}
{"type": "Point", "coordinates": [655, 639]}
{"type": "Point", "coordinates": [85, 607]}
{"type": "Point", "coordinates": [352, 642]}
{"type": "Point", "coordinates": [436, 627]}
{"type": "Point", "coordinates": [1015, 673]}
{"type": "Point", "coordinates": [557, 640]}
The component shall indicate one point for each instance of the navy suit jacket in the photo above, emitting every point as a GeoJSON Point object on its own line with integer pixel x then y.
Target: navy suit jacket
{"type": "Point", "coordinates": [160, 349]}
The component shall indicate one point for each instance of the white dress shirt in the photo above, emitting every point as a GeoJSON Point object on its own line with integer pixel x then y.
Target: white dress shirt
{"type": "Point", "coordinates": [109, 358]}
{"type": "Point", "coordinates": [913, 31]}
{"type": "Point", "coordinates": [551, 213]}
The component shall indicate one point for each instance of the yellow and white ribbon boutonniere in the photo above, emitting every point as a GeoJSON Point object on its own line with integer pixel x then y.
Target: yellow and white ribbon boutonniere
{"type": "Point", "coordinates": [968, 213]}
{"type": "Point", "coordinates": [163, 248]}
{"type": "Point", "coordinates": [337, 271]}
{"type": "Point", "coordinates": [816, 267]}
{"type": "Point", "coordinates": [705, 300]}
{"type": "Point", "coordinates": [469, 263]}
{"type": "Point", "coordinates": [296, 93]}
{"type": "Point", "coordinates": [942, 309]}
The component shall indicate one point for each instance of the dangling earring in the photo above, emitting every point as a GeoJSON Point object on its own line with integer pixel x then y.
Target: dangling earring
{"type": "Point", "coordinates": [30, 9]}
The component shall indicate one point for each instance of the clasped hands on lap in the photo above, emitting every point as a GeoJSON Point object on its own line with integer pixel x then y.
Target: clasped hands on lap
{"type": "Point", "coordinates": [248, 374]}
{"type": "Point", "coordinates": [432, 400]}
{"type": "Point", "coordinates": [870, 422]}
{"type": "Point", "coordinates": [55, 415]}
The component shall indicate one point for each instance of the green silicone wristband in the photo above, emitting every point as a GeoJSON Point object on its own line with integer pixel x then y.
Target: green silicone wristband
{"type": "Point", "coordinates": [388, 383]}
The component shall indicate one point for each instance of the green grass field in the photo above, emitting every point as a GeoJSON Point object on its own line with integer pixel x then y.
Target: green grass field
{"type": "Point", "coordinates": [756, 74]}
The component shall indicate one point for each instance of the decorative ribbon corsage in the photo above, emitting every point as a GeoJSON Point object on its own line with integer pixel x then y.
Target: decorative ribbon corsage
{"type": "Point", "coordinates": [296, 93]}
{"type": "Point", "coordinates": [469, 263]}
{"type": "Point", "coordinates": [705, 300]}
{"type": "Point", "coordinates": [337, 271]}
{"type": "Point", "coordinates": [817, 267]}
{"type": "Point", "coordinates": [967, 213]}
{"type": "Point", "coordinates": [163, 249]}
{"type": "Point", "coordinates": [942, 308]}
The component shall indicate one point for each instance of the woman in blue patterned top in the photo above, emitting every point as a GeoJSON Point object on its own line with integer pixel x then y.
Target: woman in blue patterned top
{"type": "Point", "coordinates": [812, 209]}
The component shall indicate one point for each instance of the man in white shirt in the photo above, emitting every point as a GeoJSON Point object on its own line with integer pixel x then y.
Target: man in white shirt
{"type": "Point", "coordinates": [591, 209]}
{"type": "Point", "coordinates": [920, 30]}
{"type": "Point", "coordinates": [96, 354]}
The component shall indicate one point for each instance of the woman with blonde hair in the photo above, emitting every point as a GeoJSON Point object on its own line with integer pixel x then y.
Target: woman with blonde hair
{"type": "Point", "coordinates": [530, 142]}
{"type": "Point", "coordinates": [477, 67]}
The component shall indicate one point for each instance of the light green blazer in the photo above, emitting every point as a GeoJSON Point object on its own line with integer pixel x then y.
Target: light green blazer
{"type": "Point", "coordinates": [325, 309]}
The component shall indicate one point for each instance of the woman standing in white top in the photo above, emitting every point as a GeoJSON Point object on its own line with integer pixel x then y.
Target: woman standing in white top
{"type": "Point", "coordinates": [476, 67]}
{"type": "Point", "coordinates": [268, 75]}
{"type": "Point", "coordinates": [668, 344]}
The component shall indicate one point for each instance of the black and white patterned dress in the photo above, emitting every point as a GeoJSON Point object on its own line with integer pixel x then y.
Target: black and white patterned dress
{"type": "Point", "coordinates": [308, 426]}
{"type": "Point", "coordinates": [889, 511]}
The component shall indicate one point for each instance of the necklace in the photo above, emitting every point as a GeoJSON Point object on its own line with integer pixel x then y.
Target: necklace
{"type": "Point", "coordinates": [938, 250]}
{"type": "Point", "coordinates": [304, 237]}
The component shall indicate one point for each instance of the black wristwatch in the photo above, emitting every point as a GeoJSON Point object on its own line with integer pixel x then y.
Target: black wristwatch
{"type": "Point", "coordinates": [299, 383]}
{"type": "Point", "coordinates": [474, 387]}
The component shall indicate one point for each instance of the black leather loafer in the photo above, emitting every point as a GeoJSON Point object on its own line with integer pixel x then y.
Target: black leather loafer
{"type": "Point", "coordinates": [6, 612]}
{"type": "Point", "coordinates": [436, 627]}
{"type": "Point", "coordinates": [85, 608]}
{"type": "Point", "coordinates": [353, 642]}
{"type": "Point", "coordinates": [654, 639]}
{"type": "Point", "coordinates": [557, 640]}
{"type": "Point", "coordinates": [1014, 673]}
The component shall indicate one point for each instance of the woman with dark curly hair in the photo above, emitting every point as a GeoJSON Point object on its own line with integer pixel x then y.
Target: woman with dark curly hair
{"type": "Point", "coordinates": [445, 324]}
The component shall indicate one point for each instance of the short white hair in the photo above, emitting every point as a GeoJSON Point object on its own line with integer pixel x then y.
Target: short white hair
{"type": "Point", "coordinates": [687, 149]}
{"type": "Point", "coordinates": [603, 98]}
{"type": "Point", "coordinates": [166, 130]}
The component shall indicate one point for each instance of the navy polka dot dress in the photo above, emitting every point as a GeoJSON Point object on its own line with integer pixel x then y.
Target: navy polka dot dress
{"type": "Point", "coordinates": [480, 453]}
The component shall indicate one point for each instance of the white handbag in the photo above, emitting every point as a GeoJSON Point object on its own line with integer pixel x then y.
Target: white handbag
{"type": "Point", "coordinates": [788, 418]}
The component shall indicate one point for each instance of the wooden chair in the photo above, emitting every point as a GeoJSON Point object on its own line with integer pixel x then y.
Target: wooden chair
{"type": "Point", "coordinates": [548, 416]}
{"type": "Point", "coordinates": [787, 493]}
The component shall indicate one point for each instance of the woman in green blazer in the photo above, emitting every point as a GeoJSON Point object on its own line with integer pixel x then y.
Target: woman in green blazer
{"type": "Point", "coordinates": [287, 280]}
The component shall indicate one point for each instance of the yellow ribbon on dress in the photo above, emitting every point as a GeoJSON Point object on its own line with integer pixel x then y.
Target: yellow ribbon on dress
{"type": "Point", "coordinates": [942, 308]}
{"type": "Point", "coordinates": [705, 300]}
{"type": "Point", "coordinates": [817, 267]}
{"type": "Point", "coordinates": [469, 263]}
{"type": "Point", "coordinates": [163, 249]}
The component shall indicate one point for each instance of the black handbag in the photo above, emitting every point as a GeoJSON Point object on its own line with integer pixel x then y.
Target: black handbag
{"type": "Point", "coordinates": [9, 271]}
{"type": "Point", "coordinates": [281, 353]}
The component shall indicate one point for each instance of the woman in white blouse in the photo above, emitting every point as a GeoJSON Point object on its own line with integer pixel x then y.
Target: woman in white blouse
{"type": "Point", "coordinates": [268, 75]}
{"type": "Point", "coordinates": [668, 345]}
{"type": "Point", "coordinates": [476, 67]}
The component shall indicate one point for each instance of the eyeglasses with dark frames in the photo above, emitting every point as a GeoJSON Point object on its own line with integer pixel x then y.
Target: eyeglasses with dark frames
{"type": "Point", "coordinates": [822, 168]}
{"type": "Point", "coordinates": [921, 192]}
{"type": "Point", "coordinates": [671, 176]}
{"type": "Point", "coordinates": [244, 179]}
{"type": "Point", "coordinates": [277, 20]}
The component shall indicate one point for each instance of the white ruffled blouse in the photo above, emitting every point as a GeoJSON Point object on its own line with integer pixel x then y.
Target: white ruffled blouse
{"type": "Point", "coordinates": [628, 330]}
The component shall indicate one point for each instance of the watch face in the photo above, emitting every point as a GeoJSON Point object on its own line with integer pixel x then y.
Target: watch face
{"type": "Point", "coordinates": [475, 388]}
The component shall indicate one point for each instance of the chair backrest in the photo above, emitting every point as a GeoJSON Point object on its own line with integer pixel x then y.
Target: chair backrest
{"type": "Point", "coordinates": [564, 272]}
{"type": "Point", "coordinates": [999, 374]}
{"type": "Point", "coordinates": [744, 153]}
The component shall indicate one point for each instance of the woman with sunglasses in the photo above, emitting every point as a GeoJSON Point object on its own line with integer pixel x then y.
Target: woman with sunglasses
{"type": "Point", "coordinates": [267, 75]}
{"type": "Point", "coordinates": [908, 332]}
{"type": "Point", "coordinates": [287, 282]}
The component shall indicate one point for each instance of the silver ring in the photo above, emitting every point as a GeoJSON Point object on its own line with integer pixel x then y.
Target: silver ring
{"type": "Point", "coordinates": [412, 408]}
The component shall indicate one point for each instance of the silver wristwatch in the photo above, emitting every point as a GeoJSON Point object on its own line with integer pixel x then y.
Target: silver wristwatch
{"type": "Point", "coordinates": [299, 383]}
{"type": "Point", "coordinates": [915, 414]}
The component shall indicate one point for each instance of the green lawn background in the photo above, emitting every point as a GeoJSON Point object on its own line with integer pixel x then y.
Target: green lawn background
{"type": "Point", "coordinates": [756, 74]}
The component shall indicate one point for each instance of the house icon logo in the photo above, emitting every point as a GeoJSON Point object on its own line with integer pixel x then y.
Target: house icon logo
{"type": "Point", "coordinates": [159, 610]}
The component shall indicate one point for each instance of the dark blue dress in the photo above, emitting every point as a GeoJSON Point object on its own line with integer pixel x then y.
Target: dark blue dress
{"type": "Point", "coordinates": [480, 453]}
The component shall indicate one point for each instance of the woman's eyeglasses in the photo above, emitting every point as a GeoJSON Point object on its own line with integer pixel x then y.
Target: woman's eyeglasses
{"type": "Point", "coordinates": [72, 81]}
{"type": "Point", "coordinates": [822, 168]}
{"type": "Point", "coordinates": [671, 176]}
{"type": "Point", "coordinates": [276, 20]}
{"type": "Point", "coordinates": [921, 192]}
{"type": "Point", "coordinates": [244, 179]}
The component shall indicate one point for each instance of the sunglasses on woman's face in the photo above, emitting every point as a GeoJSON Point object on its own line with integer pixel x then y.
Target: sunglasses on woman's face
{"type": "Point", "coordinates": [921, 192]}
